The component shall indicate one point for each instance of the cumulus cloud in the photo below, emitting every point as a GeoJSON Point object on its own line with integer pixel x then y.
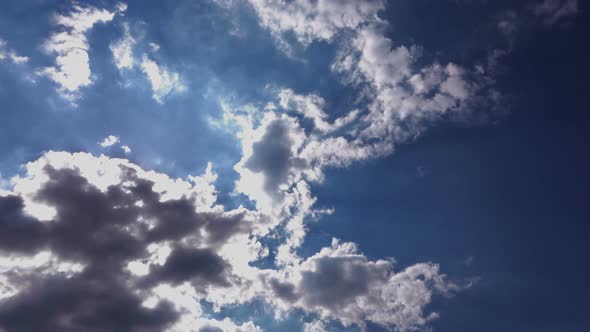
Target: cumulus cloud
{"type": "Point", "coordinates": [88, 238]}
{"type": "Point", "coordinates": [164, 244]}
{"type": "Point", "coordinates": [109, 141]}
{"type": "Point", "coordinates": [340, 283]}
{"type": "Point", "coordinates": [273, 156]}
{"type": "Point", "coordinates": [314, 20]}
{"type": "Point", "coordinates": [401, 97]}
{"type": "Point", "coordinates": [315, 326]}
{"type": "Point", "coordinates": [101, 215]}
{"type": "Point", "coordinates": [71, 49]}
{"type": "Point", "coordinates": [162, 81]}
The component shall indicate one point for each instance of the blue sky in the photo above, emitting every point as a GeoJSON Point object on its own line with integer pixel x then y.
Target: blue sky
{"type": "Point", "coordinates": [260, 165]}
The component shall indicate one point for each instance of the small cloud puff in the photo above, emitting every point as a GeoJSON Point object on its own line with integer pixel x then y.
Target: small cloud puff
{"type": "Point", "coordinates": [126, 149]}
{"type": "Point", "coordinates": [109, 141]}
{"type": "Point", "coordinates": [6, 53]}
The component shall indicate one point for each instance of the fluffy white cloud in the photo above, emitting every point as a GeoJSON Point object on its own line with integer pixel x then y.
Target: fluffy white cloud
{"type": "Point", "coordinates": [280, 158]}
{"type": "Point", "coordinates": [71, 49]}
{"type": "Point", "coordinates": [176, 246]}
{"type": "Point", "coordinates": [315, 326]}
{"type": "Point", "coordinates": [162, 81]}
{"type": "Point", "coordinates": [403, 97]}
{"type": "Point", "coordinates": [315, 20]}
{"type": "Point", "coordinates": [109, 141]}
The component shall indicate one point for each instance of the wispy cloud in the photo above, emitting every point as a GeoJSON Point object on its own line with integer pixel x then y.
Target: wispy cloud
{"type": "Point", "coordinates": [10, 54]}
{"type": "Point", "coordinates": [123, 50]}
{"type": "Point", "coordinates": [162, 81]}
{"type": "Point", "coordinates": [553, 11]}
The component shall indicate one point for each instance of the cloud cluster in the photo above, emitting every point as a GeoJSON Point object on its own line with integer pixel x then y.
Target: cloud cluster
{"type": "Point", "coordinates": [402, 97]}
{"type": "Point", "coordinates": [314, 20]}
{"type": "Point", "coordinates": [108, 245]}
{"type": "Point", "coordinates": [340, 283]}
{"type": "Point", "coordinates": [96, 243]}
{"type": "Point", "coordinates": [87, 241]}
{"type": "Point", "coordinates": [111, 140]}
{"type": "Point", "coordinates": [288, 143]}
{"type": "Point", "coordinates": [69, 44]}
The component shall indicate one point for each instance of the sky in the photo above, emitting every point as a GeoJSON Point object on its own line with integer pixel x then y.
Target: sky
{"type": "Point", "coordinates": [294, 165]}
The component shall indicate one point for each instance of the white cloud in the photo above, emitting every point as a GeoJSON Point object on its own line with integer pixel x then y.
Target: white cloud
{"type": "Point", "coordinates": [71, 49]}
{"type": "Point", "coordinates": [162, 81]}
{"type": "Point", "coordinates": [314, 20]}
{"type": "Point", "coordinates": [123, 50]}
{"type": "Point", "coordinates": [403, 99]}
{"type": "Point", "coordinates": [109, 141]}
{"type": "Point", "coordinates": [314, 326]}
{"type": "Point", "coordinates": [311, 107]}
{"type": "Point", "coordinates": [6, 53]}
{"type": "Point", "coordinates": [126, 149]}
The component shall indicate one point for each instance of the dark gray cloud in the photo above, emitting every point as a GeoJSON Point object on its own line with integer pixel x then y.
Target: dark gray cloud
{"type": "Point", "coordinates": [201, 266]}
{"type": "Point", "coordinates": [83, 303]}
{"type": "Point", "coordinates": [284, 290]}
{"type": "Point", "coordinates": [102, 231]}
{"type": "Point", "coordinates": [20, 233]}
{"type": "Point", "coordinates": [272, 156]}
{"type": "Point", "coordinates": [336, 280]}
